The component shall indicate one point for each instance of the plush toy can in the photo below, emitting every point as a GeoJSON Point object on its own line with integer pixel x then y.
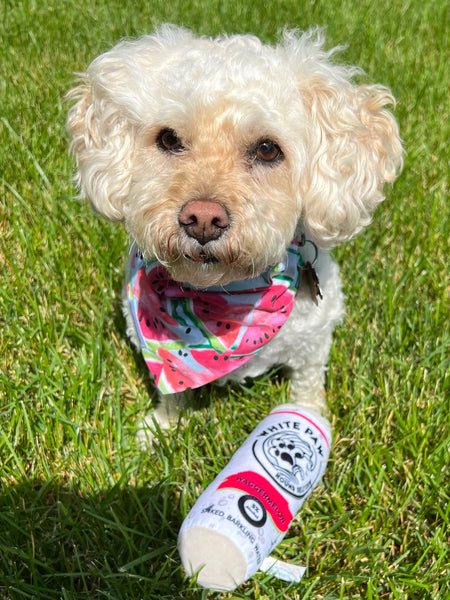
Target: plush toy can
{"type": "Point", "coordinates": [246, 511]}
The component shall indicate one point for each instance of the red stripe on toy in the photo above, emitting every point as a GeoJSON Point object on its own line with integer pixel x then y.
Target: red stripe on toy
{"type": "Point", "coordinates": [254, 484]}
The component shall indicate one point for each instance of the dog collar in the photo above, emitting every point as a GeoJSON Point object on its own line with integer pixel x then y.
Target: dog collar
{"type": "Point", "coordinates": [189, 336]}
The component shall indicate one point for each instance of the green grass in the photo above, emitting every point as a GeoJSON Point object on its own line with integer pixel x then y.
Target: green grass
{"type": "Point", "coordinates": [83, 512]}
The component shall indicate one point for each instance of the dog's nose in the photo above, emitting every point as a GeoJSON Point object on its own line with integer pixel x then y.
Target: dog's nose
{"type": "Point", "coordinates": [204, 220]}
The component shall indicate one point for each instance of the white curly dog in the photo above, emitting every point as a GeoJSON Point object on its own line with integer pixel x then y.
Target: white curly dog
{"type": "Point", "coordinates": [234, 166]}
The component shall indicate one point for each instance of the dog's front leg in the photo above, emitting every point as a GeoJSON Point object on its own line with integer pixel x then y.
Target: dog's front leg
{"type": "Point", "coordinates": [308, 338]}
{"type": "Point", "coordinates": [170, 407]}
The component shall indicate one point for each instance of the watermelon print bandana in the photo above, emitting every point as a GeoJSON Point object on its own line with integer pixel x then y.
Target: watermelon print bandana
{"type": "Point", "coordinates": [189, 336]}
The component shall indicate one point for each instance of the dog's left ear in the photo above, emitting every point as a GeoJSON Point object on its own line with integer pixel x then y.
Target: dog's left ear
{"type": "Point", "coordinates": [354, 144]}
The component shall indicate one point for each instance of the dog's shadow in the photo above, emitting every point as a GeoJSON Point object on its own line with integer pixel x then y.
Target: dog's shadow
{"type": "Point", "coordinates": [59, 542]}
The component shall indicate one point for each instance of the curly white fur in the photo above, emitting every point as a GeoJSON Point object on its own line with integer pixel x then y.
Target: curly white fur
{"type": "Point", "coordinates": [339, 146]}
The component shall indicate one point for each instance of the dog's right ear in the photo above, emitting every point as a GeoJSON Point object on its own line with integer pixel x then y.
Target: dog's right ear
{"type": "Point", "coordinates": [101, 141]}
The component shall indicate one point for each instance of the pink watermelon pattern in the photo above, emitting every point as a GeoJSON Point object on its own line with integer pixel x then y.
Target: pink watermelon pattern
{"type": "Point", "coordinates": [190, 337]}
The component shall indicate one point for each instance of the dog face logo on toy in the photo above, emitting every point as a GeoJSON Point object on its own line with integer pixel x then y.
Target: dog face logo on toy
{"type": "Point", "coordinates": [290, 460]}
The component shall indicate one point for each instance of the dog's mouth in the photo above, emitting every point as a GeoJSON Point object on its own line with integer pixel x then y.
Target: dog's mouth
{"type": "Point", "coordinates": [203, 258]}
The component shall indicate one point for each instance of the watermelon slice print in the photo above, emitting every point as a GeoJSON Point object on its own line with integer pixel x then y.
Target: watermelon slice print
{"type": "Point", "coordinates": [191, 337]}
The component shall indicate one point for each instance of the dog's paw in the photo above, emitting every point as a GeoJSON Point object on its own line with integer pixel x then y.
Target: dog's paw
{"type": "Point", "coordinates": [166, 415]}
{"type": "Point", "coordinates": [148, 430]}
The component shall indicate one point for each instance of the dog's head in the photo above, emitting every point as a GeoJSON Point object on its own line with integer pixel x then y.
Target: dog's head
{"type": "Point", "coordinates": [213, 152]}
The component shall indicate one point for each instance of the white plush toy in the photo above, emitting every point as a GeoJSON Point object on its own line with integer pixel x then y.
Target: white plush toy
{"type": "Point", "coordinates": [246, 511]}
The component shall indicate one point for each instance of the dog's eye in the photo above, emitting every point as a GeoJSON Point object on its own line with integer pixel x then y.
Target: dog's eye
{"type": "Point", "coordinates": [168, 141]}
{"type": "Point", "coordinates": [268, 151]}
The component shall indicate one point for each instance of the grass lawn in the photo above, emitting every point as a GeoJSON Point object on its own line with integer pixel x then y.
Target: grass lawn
{"type": "Point", "coordinates": [84, 514]}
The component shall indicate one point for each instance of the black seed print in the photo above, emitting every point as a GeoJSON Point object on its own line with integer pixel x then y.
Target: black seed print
{"type": "Point", "coordinates": [227, 326]}
{"type": "Point", "coordinates": [219, 323]}
{"type": "Point", "coordinates": [188, 330]}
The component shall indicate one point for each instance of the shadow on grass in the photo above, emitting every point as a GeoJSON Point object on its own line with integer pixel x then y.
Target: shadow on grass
{"type": "Point", "coordinates": [118, 544]}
